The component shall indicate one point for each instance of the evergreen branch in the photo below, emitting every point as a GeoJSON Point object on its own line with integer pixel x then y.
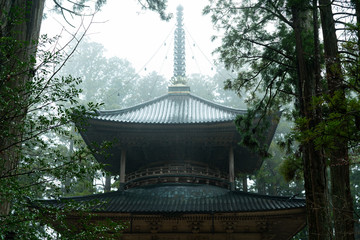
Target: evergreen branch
{"type": "Point", "coordinates": [35, 170]}
{"type": "Point", "coordinates": [32, 136]}
{"type": "Point", "coordinates": [45, 85]}
{"type": "Point", "coordinates": [64, 9]}
{"type": "Point", "coordinates": [340, 22]}
{"type": "Point", "coordinates": [67, 57]}
{"type": "Point", "coordinates": [279, 15]}
{"type": "Point", "coordinates": [274, 12]}
{"type": "Point", "coordinates": [268, 47]}
{"type": "Point", "coordinates": [348, 53]}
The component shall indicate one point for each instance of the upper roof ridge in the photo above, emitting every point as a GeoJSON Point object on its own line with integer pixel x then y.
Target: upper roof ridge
{"type": "Point", "coordinates": [173, 90]}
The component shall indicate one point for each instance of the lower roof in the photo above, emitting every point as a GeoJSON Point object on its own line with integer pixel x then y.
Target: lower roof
{"type": "Point", "coordinates": [179, 198]}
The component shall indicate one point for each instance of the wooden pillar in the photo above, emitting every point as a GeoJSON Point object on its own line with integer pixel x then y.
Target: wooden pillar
{"type": "Point", "coordinates": [122, 169]}
{"type": "Point", "coordinates": [107, 183]}
{"type": "Point", "coordinates": [245, 188]}
{"type": "Point", "coordinates": [231, 169]}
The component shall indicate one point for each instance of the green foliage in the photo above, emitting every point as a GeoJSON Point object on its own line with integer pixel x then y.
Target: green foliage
{"type": "Point", "coordinates": [259, 42]}
{"type": "Point", "coordinates": [85, 7]}
{"type": "Point", "coordinates": [157, 6]}
{"type": "Point", "coordinates": [289, 182]}
{"type": "Point", "coordinates": [291, 168]}
{"type": "Point", "coordinates": [86, 225]}
{"type": "Point", "coordinates": [262, 50]}
{"type": "Point", "coordinates": [37, 107]}
{"type": "Point", "coordinates": [36, 110]}
{"type": "Point", "coordinates": [334, 125]}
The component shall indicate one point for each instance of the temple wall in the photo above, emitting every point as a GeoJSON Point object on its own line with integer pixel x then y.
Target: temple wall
{"type": "Point", "coordinates": [276, 225]}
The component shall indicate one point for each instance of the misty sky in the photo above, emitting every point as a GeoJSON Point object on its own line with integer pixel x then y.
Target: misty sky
{"type": "Point", "coordinates": [140, 36]}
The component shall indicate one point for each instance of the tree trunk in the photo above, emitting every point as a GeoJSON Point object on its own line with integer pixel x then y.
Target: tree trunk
{"type": "Point", "coordinates": [260, 186]}
{"type": "Point", "coordinates": [107, 183]}
{"type": "Point", "coordinates": [314, 162]}
{"type": "Point", "coordinates": [342, 202]}
{"type": "Point", "coordinates": [20, 21]}
{"type": "Point", "coordinates": [244, 183]}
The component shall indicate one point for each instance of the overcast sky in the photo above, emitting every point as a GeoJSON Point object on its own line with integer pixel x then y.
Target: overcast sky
{"type": "Point", "coordinates": [140, 36]}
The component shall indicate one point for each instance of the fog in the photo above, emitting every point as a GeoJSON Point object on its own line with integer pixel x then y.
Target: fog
{"type": "Point", "coordinates": [126, 56]}
{"type": "Point", "coordinates": [140, 36]}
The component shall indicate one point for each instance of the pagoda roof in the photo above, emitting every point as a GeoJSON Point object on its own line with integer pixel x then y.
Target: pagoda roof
{"type": "Point", "coordinates": [179, 106]}
{"type": "Point", "coordinates": [175, 127]}
{"type": "Point", "coordinates": [180, 198]}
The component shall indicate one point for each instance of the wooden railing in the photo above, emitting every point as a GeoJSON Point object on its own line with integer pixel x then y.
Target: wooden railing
{"type": "Point", "coordinates": [176, 170]}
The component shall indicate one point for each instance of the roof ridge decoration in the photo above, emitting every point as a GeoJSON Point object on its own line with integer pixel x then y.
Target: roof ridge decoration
{"type": "Point", "coordinates": [178, 88]}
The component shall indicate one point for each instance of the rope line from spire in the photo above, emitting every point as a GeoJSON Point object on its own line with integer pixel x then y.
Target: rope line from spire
{"type": "Point", "coordinates": [211, 63]}
{"type": "Point", "coordinates": [192, 52]}
{"type": "Point", "coordinates": [141, 69]}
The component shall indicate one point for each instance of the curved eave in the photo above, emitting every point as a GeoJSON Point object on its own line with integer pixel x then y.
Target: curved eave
{"type": "Point", "coordinates": [155, 126]}
{"type": "Point", "coordinates": [173, 109]}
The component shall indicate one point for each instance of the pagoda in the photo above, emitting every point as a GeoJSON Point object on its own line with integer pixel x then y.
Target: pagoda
{"type": "Point", "coordinates": [176, 159]}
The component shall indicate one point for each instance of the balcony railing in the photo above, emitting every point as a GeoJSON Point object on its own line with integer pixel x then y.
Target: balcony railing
{"type": "Point", "coordinates": [177, 173]}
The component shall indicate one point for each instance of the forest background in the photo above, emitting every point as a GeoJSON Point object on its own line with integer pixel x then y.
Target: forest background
{"type": "Point", "coordinates": [314, 80]}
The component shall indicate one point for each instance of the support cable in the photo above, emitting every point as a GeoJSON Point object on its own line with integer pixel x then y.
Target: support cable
{"type": "Point", "coordinates": [211, 63]}
{"type": "Point", "coordinates": [193, 54]}
{"type": "Point", "coordinates": [141, 69]}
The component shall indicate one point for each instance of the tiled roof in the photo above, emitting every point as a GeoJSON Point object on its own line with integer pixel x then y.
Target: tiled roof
{"type": "Point", "coordinates": [182, 198]}
{"type": "Point", "coordinates": [174, 108]}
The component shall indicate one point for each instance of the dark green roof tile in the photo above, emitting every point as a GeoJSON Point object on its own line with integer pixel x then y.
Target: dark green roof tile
{"type": "Point", "coordinates": [182, 198]}
{"type": "Point", "coordinates": [173, 108]}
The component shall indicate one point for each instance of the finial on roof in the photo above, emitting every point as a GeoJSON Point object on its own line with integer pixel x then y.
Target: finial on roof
{"type": "Point", "coordinates": [179, 49]}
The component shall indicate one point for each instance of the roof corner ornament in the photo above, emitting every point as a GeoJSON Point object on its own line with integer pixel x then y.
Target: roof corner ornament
{"type": "Point", "coordinates": [179, 50]}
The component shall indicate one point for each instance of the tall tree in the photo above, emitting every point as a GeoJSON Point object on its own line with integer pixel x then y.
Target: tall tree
{"type": "Point", "coordinates": [147, 88]}
{"type": "Point", "coordinates": [342, 203]}
{"type": "Point", "coordinates": [42, 160]}
{"type": "Point", "coordinates": [315, 174]}
{"type": "Point", "coordinates": [19, 97]}
{"type": "Point", "coordinates": [110, 81]}
{"type": "Point", "coordinates": [274, 39]}
{"type": "Point", "coordinates": [20, 20]}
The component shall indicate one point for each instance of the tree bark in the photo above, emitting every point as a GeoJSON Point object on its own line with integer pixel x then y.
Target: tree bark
{"type": "Point", "coordinates": [20, 21]}
{"type": "Point", "coordinates": [342, 202]}
{"type": "Point", "coordinates": [107, 183]}
{"type": "Point", "coordinates": [314, 163]}
{"type": "Point", "coordinates": [244, 183]}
